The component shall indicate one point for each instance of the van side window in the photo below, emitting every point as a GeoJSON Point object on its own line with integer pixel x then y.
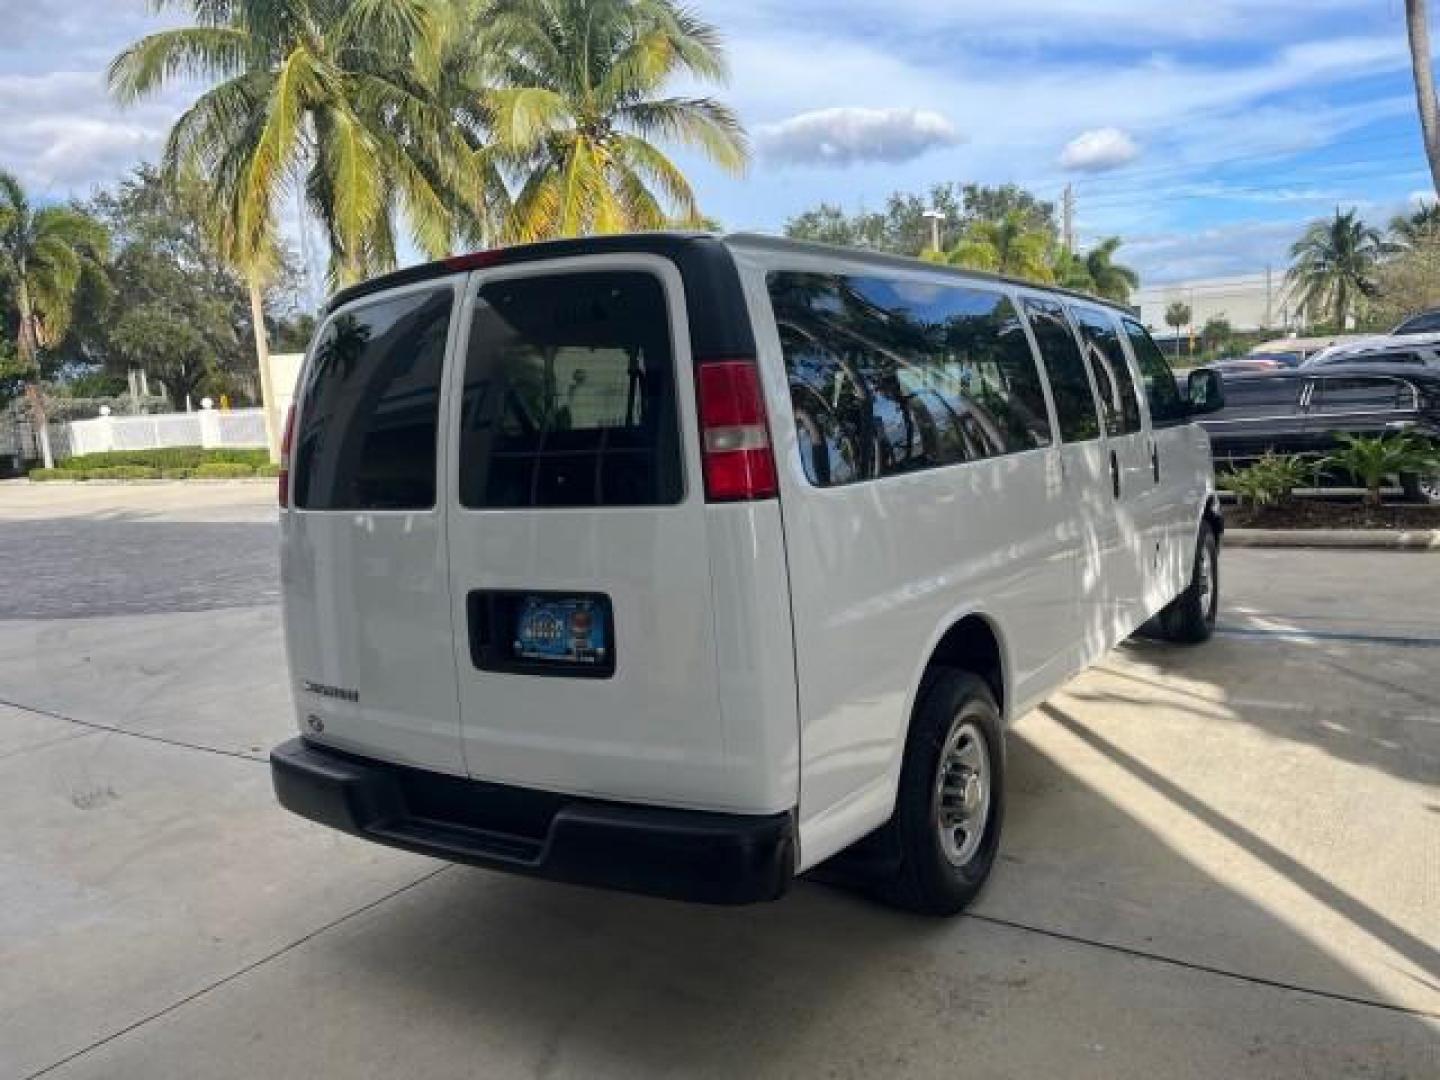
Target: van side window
{"type": "Point", "coordinates": [569, 395]}
{"type": "Point", "coordinates": [1118, 398]}
{"type": "Point", "coordinates": [1167, 404]}
{"type": "Point", "coordinates": [1069, 385]}
{"type": "Point", "coordinates": [893, 375]}
{"type": "Point", "coordinates": [366, 438]}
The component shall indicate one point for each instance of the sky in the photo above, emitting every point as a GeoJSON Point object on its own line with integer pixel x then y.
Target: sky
{"type": "Point", "coordinates": [1205, 133]}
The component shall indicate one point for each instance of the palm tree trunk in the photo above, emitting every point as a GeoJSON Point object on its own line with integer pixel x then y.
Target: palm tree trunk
{"type": "Point", "coordinates": [29, 348]}
{"type": "Point", "coordinates": [1418, 23]}
{"type": "Point", "coordinates": [262, 360]}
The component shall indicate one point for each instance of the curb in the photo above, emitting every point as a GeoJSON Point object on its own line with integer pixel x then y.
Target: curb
{"type": "Point", "coordinates": [1353, 539]}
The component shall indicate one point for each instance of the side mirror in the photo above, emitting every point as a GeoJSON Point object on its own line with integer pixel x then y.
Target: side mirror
{"type": "Point", "coordinates": [1206, 391]}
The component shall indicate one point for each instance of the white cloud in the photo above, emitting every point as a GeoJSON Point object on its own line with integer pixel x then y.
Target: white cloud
{"type": "Point", "coordinates": [848, 136]}
{"type": "Point", "coordinates": [1423, 198]}
{"type": "Point", "coordinates": [1099, 150]}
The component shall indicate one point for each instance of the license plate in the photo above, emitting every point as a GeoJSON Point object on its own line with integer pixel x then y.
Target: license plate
{"type": "Point", "coordinates": [567, 631]}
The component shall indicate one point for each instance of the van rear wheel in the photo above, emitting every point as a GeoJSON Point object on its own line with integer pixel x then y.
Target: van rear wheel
{"type": "Point", "coordinates": [951, 803]}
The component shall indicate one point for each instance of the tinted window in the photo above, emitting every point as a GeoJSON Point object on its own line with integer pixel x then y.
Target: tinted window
{"type": "Point", "coordinates": [1428, 323]}
{"type": "Point", "coordinates": [366, 440]}
{"type": "Point", "coordinates": [1065, 367]}
{"type": "Point", "coordinates": [569, 394]}
{"type": "Point", "coordinates": [1118, 399]}
{"type": "Point", "coordinates": [1359, 395]}
{"type": "Point", "coordinates": [889, 375]}
{"type": "Point", "coordinates": [1167, 404]}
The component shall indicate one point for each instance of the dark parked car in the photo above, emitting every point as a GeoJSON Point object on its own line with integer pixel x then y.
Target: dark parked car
{"type": "Point", "coordinates": [1302, 411]}
{"type": "Point", "coordinates": [1427, 322]}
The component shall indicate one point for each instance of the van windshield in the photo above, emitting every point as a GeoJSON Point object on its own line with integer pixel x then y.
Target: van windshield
{"type": "Point", "coordinates": [569, 394]}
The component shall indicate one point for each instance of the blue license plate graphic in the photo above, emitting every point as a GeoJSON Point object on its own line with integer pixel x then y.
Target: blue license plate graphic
{"type": "Point", "coordinates": [567, 631]}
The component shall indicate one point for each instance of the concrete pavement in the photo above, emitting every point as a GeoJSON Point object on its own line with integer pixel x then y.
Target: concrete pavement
{"type": "Point", "coordinates": [1218, 861]}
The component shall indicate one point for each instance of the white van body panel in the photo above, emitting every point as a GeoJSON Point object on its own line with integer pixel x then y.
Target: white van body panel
{"type": "Point", "coordinates": [685, 582]}
{"type": "Point", "coordinates": [366, 612]}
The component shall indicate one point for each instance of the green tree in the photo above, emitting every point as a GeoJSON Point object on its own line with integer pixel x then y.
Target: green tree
{"type": "Point", "coordinates": [335, 98]}
{"type": "Point", "coordinates": [1406, 284]}
{"type": "Point", "coordinates": [1418, 227]}
{"type": "Point", "coordinates": [1012, 245]}
{"type": "Point", "coordinates": [1217, 335]}
{"type": "Point", "coordinates": [982, 202]}
{"type": "Point", "coordinates": [1107, 277]}
{"type": "Point", "coordinates": [45, 256]}
{"type": "Point", "coordinates": [1334, 265]}
{"type": "Point", "coordinates": [580, 108]}
{"type": "Point", "coordinates": [1177, 317]}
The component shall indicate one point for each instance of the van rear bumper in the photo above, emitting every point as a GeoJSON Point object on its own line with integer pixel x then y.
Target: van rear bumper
{"type": "Point", "coordinates": [681, 854]}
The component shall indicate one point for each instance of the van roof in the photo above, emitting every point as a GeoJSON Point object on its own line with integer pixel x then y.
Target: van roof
{"type": "Point", "coordinates": [683, 247]}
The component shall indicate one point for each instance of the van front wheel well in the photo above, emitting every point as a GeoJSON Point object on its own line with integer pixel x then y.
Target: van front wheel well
{"type": "Point", "coordinates": [971, 645]}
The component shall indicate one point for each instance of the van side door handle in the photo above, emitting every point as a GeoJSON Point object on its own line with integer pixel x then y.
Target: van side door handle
{"type": "Point", "coordinates": [1115, 473]}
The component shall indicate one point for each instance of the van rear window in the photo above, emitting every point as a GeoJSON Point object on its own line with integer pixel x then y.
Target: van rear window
{"type": "Point", "coordinates": [366, 439]}
{"type": "Point", "coordinates": [570, 394]}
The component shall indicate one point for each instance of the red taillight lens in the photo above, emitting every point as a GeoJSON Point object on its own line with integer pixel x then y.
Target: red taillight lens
{"type": "Point", "coordinates": [285, 440]}
{"type": "Point", "coordinates": [734, 436]}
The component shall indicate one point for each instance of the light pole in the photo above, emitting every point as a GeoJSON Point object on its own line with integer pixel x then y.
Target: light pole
{"type": "Point", "coordinates": [935, 217]}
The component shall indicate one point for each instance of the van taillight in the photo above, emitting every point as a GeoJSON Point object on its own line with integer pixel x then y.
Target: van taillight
{"type": "Point", "coordinates": [734, 437]}
{"type": "Point", "coordinates": [285, 440]}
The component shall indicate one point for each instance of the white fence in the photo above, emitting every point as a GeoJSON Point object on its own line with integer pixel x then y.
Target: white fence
{"type": "Point", "coordinates": [208, 428]}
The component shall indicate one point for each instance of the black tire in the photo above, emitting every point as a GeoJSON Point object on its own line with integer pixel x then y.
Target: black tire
{"type": "Point", "coordinates": [927, 879]}
{"type": "Point", "coordinates": [1421, 489]}
{"type": "Point", "coordinates": [1190, 617]}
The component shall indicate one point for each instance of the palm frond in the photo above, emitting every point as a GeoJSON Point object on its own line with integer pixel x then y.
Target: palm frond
{"type": "Point", "coordinates": [702, 123]}
{"type": "Point", "coordinates": [193, 52]}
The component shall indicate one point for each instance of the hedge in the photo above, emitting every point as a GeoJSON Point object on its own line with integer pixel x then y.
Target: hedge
{"type": "Point", "coordinates": [123, 472]}
{"type": "Point", "coordinates": [222, 470]}
{"type": "Point", "coordinates": [49, 474]}
{"type": "Point", "coordinates": [170, 457]}
{"type": "Point", "coordinates": [176, 474]}
{"type": "Point", "coordinates": [267, 469]}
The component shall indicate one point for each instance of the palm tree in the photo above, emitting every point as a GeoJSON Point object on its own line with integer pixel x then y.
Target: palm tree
{"type": "Point", "coordinates": [1417, 23]}
{"type": "Point", "coordinates": [1109, 278]}
{"type": "Point", "coordinates": [1420, 227]}
{"type": "Point", "coordinates": [1178, 316]}
{"type": "Point", "coordinates": [45, 254]}
{"type": "Point", "coordinates": [326, 96]}
{"type": "Point", "coordinates": [1334, 264]}
{"type": "Point", "coordinates": [1010, 244]}
{"type": "Point", "coordinates": [579, 106]}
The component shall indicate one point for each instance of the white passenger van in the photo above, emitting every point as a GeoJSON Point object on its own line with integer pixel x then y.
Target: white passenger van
{"type": "Point", "coordinates": [683, 564]}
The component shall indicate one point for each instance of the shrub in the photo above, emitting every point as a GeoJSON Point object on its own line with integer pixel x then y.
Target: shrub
{"type": "Point", "coordinates": [270, 468]}
{"type": "Point", "coordinates": [176, 474]}
{"type": "Point", "coordinates": [1271, 480]}
{"type": "Point", "coordinates": [222, 470]}
{"type": "Point", "coordinates": [1371, 459]}
{"type": "Point", "coordinates": [49, 474]}
{"type": "Point", "coordinates": [169, 457]}
{"type": "Point", "coordinates": [122, 472]}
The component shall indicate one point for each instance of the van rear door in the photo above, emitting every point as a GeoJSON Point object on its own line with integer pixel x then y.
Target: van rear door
{"type": "Point", "coordinates": [578, 542]}
{"type": "Point", "coordinates": [363, 560]}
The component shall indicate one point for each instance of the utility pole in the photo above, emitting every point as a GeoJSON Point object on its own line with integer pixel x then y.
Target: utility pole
{"type": "Point", "coordinates": [1067, 218]}
{"type": "Point", "coordinates": [1269, 296]}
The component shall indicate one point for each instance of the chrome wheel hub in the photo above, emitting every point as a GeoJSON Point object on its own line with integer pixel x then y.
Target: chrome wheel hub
{"type": "Point", "coordinates": [962, 791]}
